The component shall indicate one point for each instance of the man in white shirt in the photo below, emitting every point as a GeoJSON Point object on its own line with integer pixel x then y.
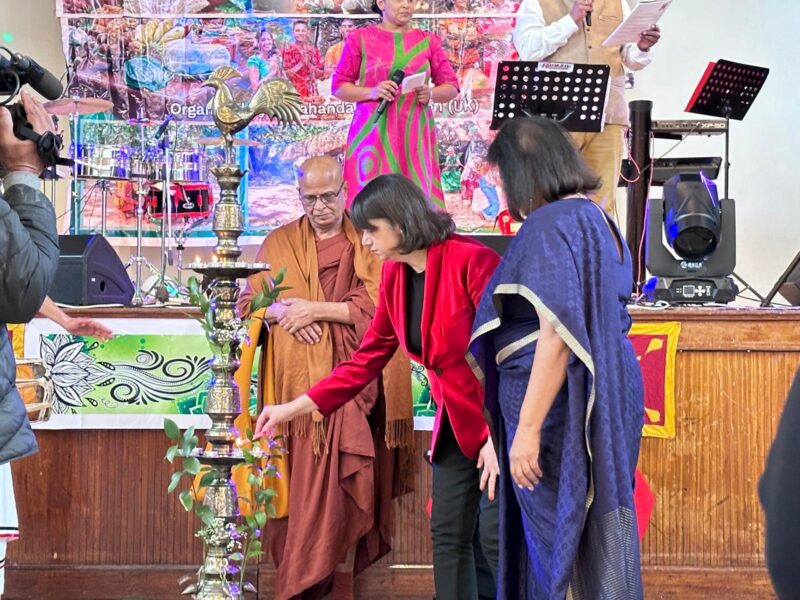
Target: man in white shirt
{"type": "Point", "coordinates": [558, 31]}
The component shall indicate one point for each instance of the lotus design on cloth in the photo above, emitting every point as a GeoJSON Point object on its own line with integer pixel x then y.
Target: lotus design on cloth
{"type": "Point", "coordinates": [72, 372]}
{"type": "Point", "coordinates": [75, 373]}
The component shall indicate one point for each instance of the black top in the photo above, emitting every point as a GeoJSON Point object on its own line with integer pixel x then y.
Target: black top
{"type": "Point", "coordinates": [779, 490]}
{"type": "Point", "coordinates": [414, 295]}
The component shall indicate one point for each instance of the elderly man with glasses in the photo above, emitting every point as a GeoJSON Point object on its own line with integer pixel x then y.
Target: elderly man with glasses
{"type": "Point", "coordinates": [341, 469]}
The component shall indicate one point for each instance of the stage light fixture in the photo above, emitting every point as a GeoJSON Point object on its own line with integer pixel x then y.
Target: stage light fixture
{"type": "Point", "coordinates": [690, 243]}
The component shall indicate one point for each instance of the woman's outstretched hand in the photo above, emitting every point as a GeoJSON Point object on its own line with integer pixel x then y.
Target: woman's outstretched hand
{"type": "Point", "coordinates": [275, 414]}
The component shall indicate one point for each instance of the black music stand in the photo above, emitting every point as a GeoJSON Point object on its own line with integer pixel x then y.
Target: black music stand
{"type": "Point", "coordinates": [727, 89]}
{"type": "Point", "coordinates": [574, 95]}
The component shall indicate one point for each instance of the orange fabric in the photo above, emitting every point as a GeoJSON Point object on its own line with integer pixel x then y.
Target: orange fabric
{"type": "Point", "coordinates": [301, 366]}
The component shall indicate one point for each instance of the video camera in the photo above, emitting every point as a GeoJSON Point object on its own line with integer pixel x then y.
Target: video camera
{"type": "Point", "coordinates": [17, 70]}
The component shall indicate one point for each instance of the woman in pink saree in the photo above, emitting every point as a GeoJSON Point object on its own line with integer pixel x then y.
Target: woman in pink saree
{"type": "Point", "coordinates": [403, 139]}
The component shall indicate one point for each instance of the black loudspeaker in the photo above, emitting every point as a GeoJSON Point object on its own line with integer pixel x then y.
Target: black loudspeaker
{"type": "Point", "coordinates": [90, 272]}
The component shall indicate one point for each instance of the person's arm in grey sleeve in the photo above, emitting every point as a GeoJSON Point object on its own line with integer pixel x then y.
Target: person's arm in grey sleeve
{"type": "Point", "coordinates": [28, 235]}
{"type": "Point", "coordinates": [28, 247]}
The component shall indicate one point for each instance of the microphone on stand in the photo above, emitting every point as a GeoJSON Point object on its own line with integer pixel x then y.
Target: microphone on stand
{"type": "Point", "coordinates": [397, 77]}
{"type": "Point", "coordinates": [163, 127]}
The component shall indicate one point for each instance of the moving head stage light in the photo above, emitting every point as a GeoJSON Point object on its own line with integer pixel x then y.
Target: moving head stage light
{"type": "Point", "coordinates": [691, 243]}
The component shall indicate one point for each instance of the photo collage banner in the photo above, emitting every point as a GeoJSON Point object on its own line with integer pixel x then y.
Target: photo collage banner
{"type": "Point", "coordinates": [150, 58]}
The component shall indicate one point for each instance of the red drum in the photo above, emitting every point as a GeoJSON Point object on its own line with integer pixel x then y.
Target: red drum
{"type": "Point", "coordinates": [188, 200]}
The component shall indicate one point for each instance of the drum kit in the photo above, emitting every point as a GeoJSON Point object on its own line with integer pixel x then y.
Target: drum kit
{"type": "Point", "coordinates": [145, 169]}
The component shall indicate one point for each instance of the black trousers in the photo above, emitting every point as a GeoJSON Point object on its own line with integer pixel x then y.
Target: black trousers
{"type": "Point", "coordinates": [464, 525]}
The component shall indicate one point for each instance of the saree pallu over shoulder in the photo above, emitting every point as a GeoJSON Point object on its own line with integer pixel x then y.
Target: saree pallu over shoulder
{"type": "Point", "coordinates": [564, 264]}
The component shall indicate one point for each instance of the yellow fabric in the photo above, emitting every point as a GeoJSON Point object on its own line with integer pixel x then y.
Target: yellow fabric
{"type": "Point", "coordinates": [586, 46]}
{"type": "Point", "coordinates": [17, 338]}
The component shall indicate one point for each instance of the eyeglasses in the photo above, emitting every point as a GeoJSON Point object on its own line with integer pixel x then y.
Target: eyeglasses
{"type": "Point", "coordinates": [327, 199]}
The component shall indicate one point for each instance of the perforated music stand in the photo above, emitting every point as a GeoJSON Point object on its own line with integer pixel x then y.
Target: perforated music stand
{"type": "Point", "coordinates": [574, 95]}
{"type": "Point", "coordinates": [727, 89]}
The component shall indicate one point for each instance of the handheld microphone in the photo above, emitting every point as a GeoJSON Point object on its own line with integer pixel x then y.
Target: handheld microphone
{"type": "Point", "coordinates": [27, 70]}
{"type": "Point", "coordinates": [397, 77]}
{"type": "Point", "coordinates": [164, 124]}
{"type": "Point", "coordinates": [589, 19]}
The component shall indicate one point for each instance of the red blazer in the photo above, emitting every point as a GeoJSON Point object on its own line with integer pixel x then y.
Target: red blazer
{"type": "Point", "coordinates": [456, 273]}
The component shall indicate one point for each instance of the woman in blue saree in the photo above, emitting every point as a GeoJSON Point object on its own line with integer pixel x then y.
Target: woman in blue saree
{"type": "Point", "coordinates": [563, 385]}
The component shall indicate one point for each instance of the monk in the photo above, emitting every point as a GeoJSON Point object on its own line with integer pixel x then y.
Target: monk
{"type": "Point", "coordinates": [341, 468]}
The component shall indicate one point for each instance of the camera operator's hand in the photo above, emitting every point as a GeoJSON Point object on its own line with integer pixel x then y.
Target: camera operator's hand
{"type": "Point", "coordinates": [17, 154]}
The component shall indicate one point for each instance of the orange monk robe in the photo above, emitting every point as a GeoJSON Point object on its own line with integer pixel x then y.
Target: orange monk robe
{"type": "Point", "coordinates": [341, 474]}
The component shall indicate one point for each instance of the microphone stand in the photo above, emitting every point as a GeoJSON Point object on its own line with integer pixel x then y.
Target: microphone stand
{"type": "Point", "coordinates": [161, 291]}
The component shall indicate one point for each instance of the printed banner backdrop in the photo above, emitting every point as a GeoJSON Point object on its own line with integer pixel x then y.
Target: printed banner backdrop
{"type": "Point", "coordinates": [151, 369]}
{"type": "Point", "coordinates": [655, 344]}
{"type": "Point", "coordinates": [151, 57]}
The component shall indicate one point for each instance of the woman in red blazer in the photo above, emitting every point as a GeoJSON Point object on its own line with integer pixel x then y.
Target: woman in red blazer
{"type": "Point", "coordinates": [431, 284]}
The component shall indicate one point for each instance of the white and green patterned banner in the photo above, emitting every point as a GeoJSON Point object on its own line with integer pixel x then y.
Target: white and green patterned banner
{"type": "Point", "coordinates": [150, 369]}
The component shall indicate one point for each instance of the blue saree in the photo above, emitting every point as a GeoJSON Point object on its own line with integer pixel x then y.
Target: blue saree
{"type": "Point", "coordinates": [575, 534]}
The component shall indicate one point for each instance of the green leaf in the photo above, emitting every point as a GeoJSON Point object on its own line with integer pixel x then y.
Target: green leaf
{"type": "Point", "coordinates": [271, 492]}
{"type": "Point", "coordinates": [186, 499]}
{"type": "Point", "coordinates": [261, 519]}
{"type": "Point", "coordinates": [271, 511]}
{"type": "Point", "coordinates": [258, 301]}
{"type": "Point", "coordinates": [188, 445]}
{"type": "Point", "coordinates": [205, 513]}
{"type": "Point", "coordinates": [172, 452]}
{"type": "Point", "coordinates": [253, 479]}
{"type": "Point", "coordinates": [191, 465]}
{"type": "Point", "coordinates": [207, 479]}
{"type": "Point", "coordinates": [251, 521]}
{"type": "Point", "coordinates": [254, 554]}
{"type": "Point", "coordinates": [171, 429]}
{"type": "Point", "coordinates": [237, 556]}
{"type": "Point", "coordinates": [209, 320]}
{"type": "Point", "coordinates": [187, 435]}
{"type": "Point", "coordinates": [174, 481]}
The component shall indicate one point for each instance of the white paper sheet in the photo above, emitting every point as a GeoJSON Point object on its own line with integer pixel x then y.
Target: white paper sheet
{"type": "Point", "coordinates": [644, 14]}
{"type": "Point", "coordinates": [412, 82]}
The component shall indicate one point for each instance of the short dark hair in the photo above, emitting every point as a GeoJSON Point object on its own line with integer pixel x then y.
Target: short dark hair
{"type": "Point", "coordinates": [375, 8]}
{"type": "Point", "coordinates": [398, 200]}
{"type": "Point", "coordinates": [538, 164]}
{"type": "Point", "coordinates": [299, 22]}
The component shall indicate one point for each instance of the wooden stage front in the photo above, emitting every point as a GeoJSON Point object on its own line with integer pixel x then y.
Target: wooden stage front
{"type": "Point", "coordinates": [96, 521]}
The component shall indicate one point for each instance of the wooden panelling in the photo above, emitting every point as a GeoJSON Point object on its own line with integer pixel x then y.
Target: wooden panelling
{"type": "Point", "coordinates": [96, 521]}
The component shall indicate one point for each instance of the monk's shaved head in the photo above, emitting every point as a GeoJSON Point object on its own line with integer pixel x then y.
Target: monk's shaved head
{"type": "Point", "coordinates": [316, 169]}
{"type": "Point", "coordinates": [321, 188]}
